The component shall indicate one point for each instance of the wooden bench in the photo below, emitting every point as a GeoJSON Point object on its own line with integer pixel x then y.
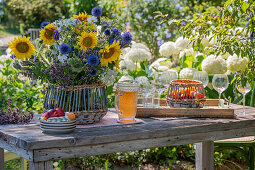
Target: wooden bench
{"type": "Point", "coordinates": [33, 33]}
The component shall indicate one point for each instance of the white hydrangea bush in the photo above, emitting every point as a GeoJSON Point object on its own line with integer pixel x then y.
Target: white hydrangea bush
{"type": "Point", "coordinates": [160, 62]}
{"type": "Point", "coordinates": [235, 63]}
{"type": "Point", "coordinates": [182, 43]}
{"type": "Point", "coordinates": [126, 78]}
{"type": "Point", "coordinates": [168, 49]}
{"type": "Point", "coordinates": [214, 65]}
{"type": "Point", "coordinates": [127, 65]}
{"type": "Point", "coordinates": [187, 73]}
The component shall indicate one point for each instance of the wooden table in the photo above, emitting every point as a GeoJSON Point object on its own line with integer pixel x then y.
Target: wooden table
{"type": "Point", "coordinates": [40, 149]}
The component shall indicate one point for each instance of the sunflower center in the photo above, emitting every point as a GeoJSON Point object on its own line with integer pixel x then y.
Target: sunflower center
{"type": "Point", "coordinates": [87, 41]}
{"type": "Point", "coordinates": [49, 34]}
{"type": "Point", "coordinates": [22, 47]}
{"type": "Point", "coordinates": [109, 54]}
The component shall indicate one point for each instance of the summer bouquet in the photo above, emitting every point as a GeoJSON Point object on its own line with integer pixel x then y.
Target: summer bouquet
{"type": "Point", "coordinates": [77, 56]}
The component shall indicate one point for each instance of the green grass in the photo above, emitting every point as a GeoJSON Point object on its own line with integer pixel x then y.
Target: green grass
{"type": "Point", "coordinates": [5, 30]}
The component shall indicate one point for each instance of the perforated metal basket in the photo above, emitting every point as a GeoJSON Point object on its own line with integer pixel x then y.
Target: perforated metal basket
{"type": "Point", "coordinates": [88, 102]}
{"type": "Point", "coordinates": [186, 93]}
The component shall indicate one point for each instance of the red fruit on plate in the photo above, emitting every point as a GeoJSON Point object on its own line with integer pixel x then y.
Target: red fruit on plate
{"type": "Point", "coordinates": [60, 112]}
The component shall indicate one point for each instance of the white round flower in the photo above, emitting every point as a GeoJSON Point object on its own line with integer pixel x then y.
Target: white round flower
{"type": "Point", "coordinates": [187, 52]}
{"type": "Point", "coordinates": [138, 55]}
{"type": "Point", "coordinates": [142, 80]}
{"type": "Point", "coordinates": [8, 51]}
{"type": "Point", "coordinates": [140, 45]}
{"type": "Point", "coordinates": [126, 78]}
{"type": "Point", "coordinates": [168, 49]}
{"type": "Point", "coordinates": [160, 62]}
{"type": "Point", "coordinates": [108, 77]}
{"type": "Point", "coordinates": [127, 65]}
{"type": "Point", "coordinates": [163, 68]}
{"type": "Point", "coordinates": [214, 65]}
{"type": "Point", "coordinates": [187, 73]}
{"type": "Point", "coordinates": [225, 56]}
{"type": "Point", "coordinates": [235, 63]}
{"type": "Point", "coordinates": [205, 41]}
{"type": "Point", "coordinates": [182, 43]}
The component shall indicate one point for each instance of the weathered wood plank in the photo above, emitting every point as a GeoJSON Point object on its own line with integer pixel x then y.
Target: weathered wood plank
{"type": "Point", "coordinates": [205, 155]}
{"type": "Point", "coordinates": [27, 154]}
{"type": "Point", "coordinates": [1, 158]}
{"type": "Point", "coordinates": [89, 150]}
{"type": "Point", "coordinates": [45, 165]}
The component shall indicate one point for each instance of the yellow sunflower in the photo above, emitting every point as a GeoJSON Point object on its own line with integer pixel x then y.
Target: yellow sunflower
{"type": "Point", "coordinates": [87, 40]}
{"type": "Point", "coordinates": [22, 48]}
{"type": "Point", "coordinates": [110, 53]}
{"type": "Point", "coordinates": [47, 34]}
{"type": "Point", "coordinates": [82, 16]}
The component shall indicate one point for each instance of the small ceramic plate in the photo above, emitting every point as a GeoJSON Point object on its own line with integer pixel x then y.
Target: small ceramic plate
{"type": "Point", "coordinates": [68, 122]}
{"type": "Point", "coordinates": [58, 127]}
{"type": "Point", "coordinates": [58, 131]}
{"type": "Point", "coordinates": [58, 124]}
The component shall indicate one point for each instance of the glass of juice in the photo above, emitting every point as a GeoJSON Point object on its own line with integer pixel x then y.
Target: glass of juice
{"type": "Point", "coordinates": [126, 101]}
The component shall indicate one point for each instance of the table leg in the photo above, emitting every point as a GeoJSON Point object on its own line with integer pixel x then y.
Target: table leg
{"type": "Point", "coordinates": [46, 165]}
{"type": "Point", "coordinates": [1, 159]}
{"type": "Point", "coordinates": [205, 155]}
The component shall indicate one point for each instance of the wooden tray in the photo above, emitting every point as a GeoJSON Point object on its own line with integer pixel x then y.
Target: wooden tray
{"type": "Point", "coordinates": [166, 111]}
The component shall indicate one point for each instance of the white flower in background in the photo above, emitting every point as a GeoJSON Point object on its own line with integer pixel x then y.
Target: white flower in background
{"type": "Point", "coordinates": [163, 68]}
{"type": "Point", "coordinates": [92, 19]}
{"type": "Point", "coordinates": [213, 40]}
{"type": "Point", "coordinates": [138, 55]}
{"type": "Point", "coordinates": [160, 62]}
{"type": "Point", "coordinates": [225, 56]}
{"type": "Point", "coordinates": [3, 58]}
{"type": "Point", "coordinates": [142, 80]}
{"type": "Point", "coordinates": [127, 65]}
{"type": "Point", "coordinates": [168, 49]}
{"type": "Point", "coordinates": [214, 65]}
{"type": "Point", "coordinates": [182, 43]}
{"type": "Point", "coordinates": [139, 45]}
{"type": "Point", "coordinates": [124, 51]}
{"type": "Point", "coordinates": [235, 63]}
{"type": "Point", "coordinates": [188, 52]}
{"type": "Point", "coordinates": [126, 78]}
{"type": "Point", "coordinates": [62, 58]}
{"type": "Point", "coordinates": [205, 41]}
{"type": "Point", "coordinates": [98, 29]}
{"type": "Point", "coordinates": [187, 73]}
{"type": "Point", "coordinates": [8, 51]}
{"type": "Point", "coordinates": [1, 43]}
{"type": "Point", "coordinates": [108, 77]}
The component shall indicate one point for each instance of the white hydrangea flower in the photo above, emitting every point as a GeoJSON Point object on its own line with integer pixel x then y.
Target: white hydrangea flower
{"type": "Point", "coordinates": [127, 65]}
{"type": "Point", "coordinates": [235, 63]}
{"type": "Point", "coordinates": [138, 55]}
{"type": "Point", "coordinates": [142, 80]}
{"type": "Point", "coordinates": [139, 45]}
{"type": "Point", "coordinates": [160, 62]}
{"type": "Point", "coordinates": [182, 43]}
{"type": "Point", "coordinates": [187, 73]}
{"type": "Point", "coordinates": [168, 49]}
{"type": "Point", "coordinates": [108, 77]}
{"type": "Point", "coordinates": [214, 65]}
{"type": "Point", "coordinates": [126, 78]}
{"type": "Point", "coordinates": [163, 68]}
{"type": "Point", "coordinates": [225, 56]}
{"type": "Point", "coordinates": [188, 52]}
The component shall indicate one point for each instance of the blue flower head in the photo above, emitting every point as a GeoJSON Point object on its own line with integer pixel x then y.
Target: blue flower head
{"type": "Point", "coordinates": [112, 40]}
{"type": "Point", "coordinates": [93, 60]}
{"type": "Point", "coordinates": [126, 38]}
{"type": "Point", "coordinates": [93, 72]}
{"type": "Point", "coordinates": [13, 56]}
{"type": "Point", "coordinates": [107, 32]}
{"type": "Point", "coordinates": [64, 48]}
{"type": "Point", "coordinates": [44, 24]}
{"type": "Point", "coordinates": [97, 12]}
{"type": "Point", "coordinates": [177, 6]}
{"type": "Point", "coordinates": [115, 31]}
{"type": "Point", "coordinates": [56, 35]}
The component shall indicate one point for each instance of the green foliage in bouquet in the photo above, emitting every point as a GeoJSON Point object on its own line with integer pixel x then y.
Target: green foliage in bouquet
{"type": "Point", "coordinates": [82, 50]}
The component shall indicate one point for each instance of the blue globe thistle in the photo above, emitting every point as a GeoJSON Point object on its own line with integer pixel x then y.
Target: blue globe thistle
{"type": "Point", "coordinates": [115, 31]}
{"type": "Point", "coordinates": [97, 12]}
{"type": "Point", "coordinates": [44, 24]}
{"type": "Point", "coordinates": [93, 72]}
{"type": "Point", "coordinates": [93, 60]}
{"type": "Point", "coordinates": [64, 48]}
{"type": "Point", "coordinates": [126, 38]}
{"type": "Point", "coordinates": [107, 32]}
{"type": "Point", "coordinates": [13, 56]}
{"type": "Point", "coordinates": [56, 35]}
{"type": "Point", "coordinates": [112, 40]}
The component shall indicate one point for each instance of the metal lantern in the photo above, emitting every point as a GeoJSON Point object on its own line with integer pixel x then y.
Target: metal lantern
{"type": "Point", "coordinates": [88, 102]}
{"type": "Point", "coordinates": [186, 93]}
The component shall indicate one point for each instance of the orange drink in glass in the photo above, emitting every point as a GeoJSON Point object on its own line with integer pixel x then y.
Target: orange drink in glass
{"type": "Point", "coordinates": [126, 101]}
